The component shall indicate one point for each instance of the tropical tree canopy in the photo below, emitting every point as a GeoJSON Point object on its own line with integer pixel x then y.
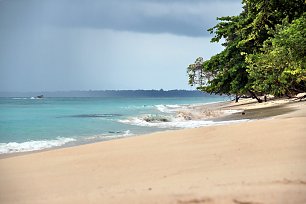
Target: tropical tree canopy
{"type": "Point", "coordinates": [280, 69]}
{"type": "Point", "coordinates": [262, 31]}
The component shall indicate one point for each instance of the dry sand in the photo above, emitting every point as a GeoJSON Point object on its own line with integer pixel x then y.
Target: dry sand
{"type": "Point", "coordinates": [261, 161]}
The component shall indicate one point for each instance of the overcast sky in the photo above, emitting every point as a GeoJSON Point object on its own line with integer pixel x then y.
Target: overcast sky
{"type": "Point", "coordinates": [49, 45]}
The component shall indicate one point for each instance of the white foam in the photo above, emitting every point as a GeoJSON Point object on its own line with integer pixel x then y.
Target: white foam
{"type": "Point", "coordinates": [232, 111]}
{"type": "Point", "coordinates": [169, 108]}
{"type": "Point", "coordinates": [173, 106]}
{"type": "Point", "coordinates": [162, 108]}
{"type": "Point", "coordinates": [109, 136]}
{"type": "Point", "coordinates": [179, 107]}
{"type": "Point", "coordinates": [33, 145]}
{"type": "Point", "coordinates": [35, 98]}
{"type": "Point", "coordinates": [127, 133]}
{"type": "Point", "coordinates": [133, 107]}
{"type": "Point", "coordinates": [19, 98]}
{"type": "Point", "coordinates": [176, 123]}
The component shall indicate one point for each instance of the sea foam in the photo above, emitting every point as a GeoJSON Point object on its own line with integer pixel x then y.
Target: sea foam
{"type": "Point", "coordinates": [169, 108]}
{"type": "Point", "coordinates": [19, 98]}
{"type": "Point", "coordinates": [175, 122]}
{"type": "Point", "coordinates": [180, 116]}
{"type": "Point", "coordinates": [33, 145]}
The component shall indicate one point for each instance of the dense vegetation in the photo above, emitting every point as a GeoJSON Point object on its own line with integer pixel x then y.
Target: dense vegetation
{"type": "Point", "coordinates": [264, 51]}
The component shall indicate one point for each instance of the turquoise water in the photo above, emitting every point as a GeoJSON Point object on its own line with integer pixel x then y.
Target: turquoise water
{"type": "Point", "coordinates": [32, 124]}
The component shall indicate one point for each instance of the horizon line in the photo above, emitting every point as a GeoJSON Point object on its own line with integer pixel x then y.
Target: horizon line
{"type": "Point", "coordinates": [102, 90]}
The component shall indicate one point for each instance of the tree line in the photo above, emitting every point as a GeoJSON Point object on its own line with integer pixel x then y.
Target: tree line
{"type": "Point", "coordinates": [264, 52]}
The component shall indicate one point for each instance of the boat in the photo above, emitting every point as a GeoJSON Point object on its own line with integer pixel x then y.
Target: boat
{"type": "Point", "coordinates": [40, 96]}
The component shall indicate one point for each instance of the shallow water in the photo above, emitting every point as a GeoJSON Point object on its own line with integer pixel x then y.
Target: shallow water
{"type": "Point", "coordinates": [33, 124]}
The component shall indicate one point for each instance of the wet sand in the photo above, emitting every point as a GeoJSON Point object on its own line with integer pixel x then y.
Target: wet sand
{"type": "Point", "coordinates": [257, 113]}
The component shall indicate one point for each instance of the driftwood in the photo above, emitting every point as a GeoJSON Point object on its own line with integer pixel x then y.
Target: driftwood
{"type": "Point", "coordinates": [296, 98]}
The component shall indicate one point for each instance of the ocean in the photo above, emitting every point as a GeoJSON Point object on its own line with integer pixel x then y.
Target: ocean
{"type": "Point", "coordinates": [29, 124]}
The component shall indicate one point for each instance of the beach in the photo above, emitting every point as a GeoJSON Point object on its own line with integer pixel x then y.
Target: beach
{"type": "Point", "coordinates": [252, 162]}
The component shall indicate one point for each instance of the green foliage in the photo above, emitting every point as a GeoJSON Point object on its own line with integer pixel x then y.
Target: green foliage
{"type": "Point", "coordinates": [245, 37]}
{"type": "Point", "coordinates": [281, 66]}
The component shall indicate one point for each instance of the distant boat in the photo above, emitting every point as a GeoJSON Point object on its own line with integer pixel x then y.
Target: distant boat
{"type": "Point", "coordinates": [40, 96]}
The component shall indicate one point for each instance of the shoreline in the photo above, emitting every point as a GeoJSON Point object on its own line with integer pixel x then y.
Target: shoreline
{"type": "Point", "coordinates": [80, 142]}
{"type": "Point", "coordinates": [15, 147]}
{"type": "Point", "coordinates": [223, 119]}
{"type": "Point", "coordinates": [261, 161]}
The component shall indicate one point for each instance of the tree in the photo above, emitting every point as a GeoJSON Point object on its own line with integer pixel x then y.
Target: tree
{"type": "Point", "coordinates": [280, 69]}
{"type": "Point", "coordinates": [225, 72]}
{"type": "Point", "coordinates": [243, 35]}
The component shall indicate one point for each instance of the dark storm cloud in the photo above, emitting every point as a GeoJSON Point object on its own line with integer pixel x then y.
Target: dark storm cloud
{"type": "Point", "coordinates": [178, 17]}
{"type": "Point", "coordinates": [98, 44]}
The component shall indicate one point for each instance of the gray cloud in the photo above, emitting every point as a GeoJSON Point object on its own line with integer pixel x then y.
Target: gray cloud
{"type": "Point", "coordinates": [96, 44]}
{"type": "Point", "coordinates": [178, 17]}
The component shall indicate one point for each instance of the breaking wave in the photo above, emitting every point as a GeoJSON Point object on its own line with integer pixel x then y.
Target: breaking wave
{"type": "Point", "coordinates": [181, 116]}
{"type": "Point", "coordinates": [174, 123]}
{"type": "Point", "coordinates": [111, 135]}
{"type": "Point", "coordinates": [169, 108]}
{"type": "Point", "coordinates": [33, 145]}
{"type": "Point", "coordinates": [19, 98]}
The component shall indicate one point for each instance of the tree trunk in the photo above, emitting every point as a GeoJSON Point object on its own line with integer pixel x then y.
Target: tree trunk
{"type": "Point", "coordinates": [237, 98]}
{"type": "Point", "coordinates": [254, 96]}
{"type": "Point", "coordinates": [289, 96]}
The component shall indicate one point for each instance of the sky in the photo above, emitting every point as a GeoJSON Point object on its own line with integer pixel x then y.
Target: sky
{"type": "Point", "coordinates": [61, 45]}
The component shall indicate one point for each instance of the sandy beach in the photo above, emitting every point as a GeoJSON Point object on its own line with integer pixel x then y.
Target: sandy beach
{"type": "Point", "coordinates": [253, 162]}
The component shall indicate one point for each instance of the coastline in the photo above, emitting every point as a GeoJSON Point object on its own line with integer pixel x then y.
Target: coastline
{"type": "Point", "coordinates": [207, 112]}
{"type": "Point", "coordinates": [64, 126]}
{"type": "Point", "coordinates": [212, 112]}
{"type": "Point", "coordinates": [260, 161]}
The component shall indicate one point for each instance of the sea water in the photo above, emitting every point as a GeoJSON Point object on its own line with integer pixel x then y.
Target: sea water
{"type": "Point", "coordinates": [28, 124]}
